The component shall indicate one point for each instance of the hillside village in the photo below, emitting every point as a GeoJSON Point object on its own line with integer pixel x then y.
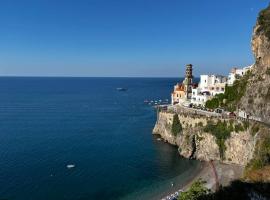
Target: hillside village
{"type": "Point", "coordinates": [196, 95]}
{"type": "Point", "coordinates": [225, 121]}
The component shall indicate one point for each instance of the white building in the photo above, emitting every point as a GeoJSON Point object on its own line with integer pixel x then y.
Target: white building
{"type": "Point", "coordinates": [243, 114]}
{"type": "Point", "coordinates": [209, 86]}
{"type": "Point", "coordinates": [237, 73]}
{"type": "Point", "coordinates": [199, 98]}
{"type": "Point", "coordinates": [214, 84]}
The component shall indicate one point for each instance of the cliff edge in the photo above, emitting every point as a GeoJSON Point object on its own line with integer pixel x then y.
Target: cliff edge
{"type": "Point", "coordinates": [195, 141]}
{"type": "Point", "coordinates": [256, 99]}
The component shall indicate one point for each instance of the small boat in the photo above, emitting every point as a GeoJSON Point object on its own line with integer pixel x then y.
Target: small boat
{"type": "Point", "coordinates": [69, 166]}
{"type": "Point", "coordinates": [121, 89]}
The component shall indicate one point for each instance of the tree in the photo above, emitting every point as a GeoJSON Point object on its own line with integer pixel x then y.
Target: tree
{"type": "Point", "coordinates": [212, 104]}
{"type": "Point", "coordinates": [176, 125]}
{"type": "Point", "coordinates": [196, 191]}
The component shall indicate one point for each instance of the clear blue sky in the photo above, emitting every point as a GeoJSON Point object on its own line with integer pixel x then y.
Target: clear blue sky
{"type": "Point", "coordinates": [125, 37]}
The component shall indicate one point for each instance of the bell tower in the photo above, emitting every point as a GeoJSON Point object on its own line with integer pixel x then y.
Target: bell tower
{"type": "Point", "coordinates": [188, 81]}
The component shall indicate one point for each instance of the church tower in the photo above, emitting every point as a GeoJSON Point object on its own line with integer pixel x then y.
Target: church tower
{"type": "Point", "coordinates": [188, 81]}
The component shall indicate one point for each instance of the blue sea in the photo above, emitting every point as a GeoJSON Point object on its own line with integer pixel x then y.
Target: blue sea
{"type": "Point", "coordinates": [49, 123]}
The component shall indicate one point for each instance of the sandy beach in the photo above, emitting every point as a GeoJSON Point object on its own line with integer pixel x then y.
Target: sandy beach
{"type": "Point", "coordinates": [225, 173]}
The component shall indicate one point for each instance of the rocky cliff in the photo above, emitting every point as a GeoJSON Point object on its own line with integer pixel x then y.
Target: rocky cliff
{"type": "Point", "coordinates": [239, 145]}
{"type": "Point", "coordinates": [194, 142]}
{"type": "Point", "coordinates": [256, 99]}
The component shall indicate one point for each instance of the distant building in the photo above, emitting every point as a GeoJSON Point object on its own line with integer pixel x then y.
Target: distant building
{"type": "Point", "coordinates": [183, 91]}
{"type": "Point", "coordinates": [237, 73]}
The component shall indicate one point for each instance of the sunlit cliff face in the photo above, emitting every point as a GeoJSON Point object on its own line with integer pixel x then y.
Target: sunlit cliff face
{"type": "Point", "coordinates": [261, 39]}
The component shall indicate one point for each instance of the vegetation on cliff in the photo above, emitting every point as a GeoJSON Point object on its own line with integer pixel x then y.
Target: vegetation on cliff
{"type": "Point", "coordinates": [264, 22]}
{"type": "Point", "coordinates": [259, 166]}
{"type": "Point", "coordinates": [176, 125]}
{"type": "Point", "coordinates": [232, 95]}
{"type": "Point", "coordinates": [196, 191]}
{"type": "Point", "coordinates": [221, 131]}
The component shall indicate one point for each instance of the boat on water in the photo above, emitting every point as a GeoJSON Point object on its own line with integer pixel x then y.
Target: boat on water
{"type": "Point", "coordinates": [121, 89]}
{"type": "Point", "coordinates": [70, 166]}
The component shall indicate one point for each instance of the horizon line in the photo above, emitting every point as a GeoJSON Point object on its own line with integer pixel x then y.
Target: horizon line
{"type": "Point", "coordinates": [19, 76]}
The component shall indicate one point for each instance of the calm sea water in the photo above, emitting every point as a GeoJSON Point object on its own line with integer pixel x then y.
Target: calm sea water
{"type": "Point", "coordinates": [48, 123]}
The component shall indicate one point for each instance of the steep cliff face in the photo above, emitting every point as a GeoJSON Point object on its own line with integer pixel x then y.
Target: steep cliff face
{"type": "Point", "coordinates": [194, 142]}
{"type": "Point", "coordinates": [261, 39]}
{"type": "Point", "coordinates": [256, 100]}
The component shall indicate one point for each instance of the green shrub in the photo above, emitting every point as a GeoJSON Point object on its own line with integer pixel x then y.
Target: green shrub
{"type": "Point", "coordinates": [176, 125]}
{"type": "Point", "coordinates": [238, 128]}
{"type": "Point", "coordinates": [196, 191]}
{"type": "Point", "coordinates": [212, 104]}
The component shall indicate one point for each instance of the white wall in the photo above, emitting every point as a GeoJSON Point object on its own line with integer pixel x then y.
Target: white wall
{"type": "Point", "coordinates": [204, 82]}
{"type": "Point", "coordinates": [231, 78]}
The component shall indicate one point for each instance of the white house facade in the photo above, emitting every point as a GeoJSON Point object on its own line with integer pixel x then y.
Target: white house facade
{"type": "Point", "coordinates": [237, 72]}
{"type": "Point", "coordinates": [209, 86]}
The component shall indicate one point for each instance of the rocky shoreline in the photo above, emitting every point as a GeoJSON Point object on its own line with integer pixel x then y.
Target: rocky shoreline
{"type": "Point", "coordinates": [194, 142]}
